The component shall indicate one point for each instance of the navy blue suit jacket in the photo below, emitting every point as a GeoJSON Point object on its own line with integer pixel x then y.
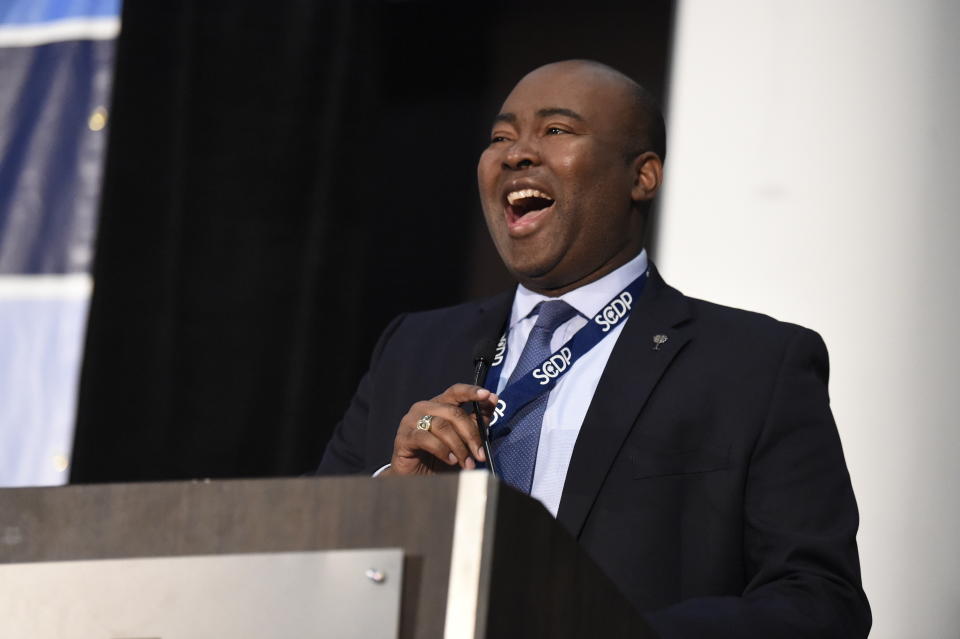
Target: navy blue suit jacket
{"type": "Point", "coordinates": [707, 480]}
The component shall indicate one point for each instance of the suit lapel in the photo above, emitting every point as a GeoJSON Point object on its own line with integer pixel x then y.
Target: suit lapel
{"type": "Point", "coordinates": [633, 370]}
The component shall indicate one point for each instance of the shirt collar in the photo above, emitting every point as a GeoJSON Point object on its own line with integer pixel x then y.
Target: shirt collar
{"type": "Point", "coordinates": [587, 299]}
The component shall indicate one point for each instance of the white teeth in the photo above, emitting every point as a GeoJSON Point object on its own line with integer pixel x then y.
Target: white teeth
{"type": "Point", "coordinates": [525, 193]}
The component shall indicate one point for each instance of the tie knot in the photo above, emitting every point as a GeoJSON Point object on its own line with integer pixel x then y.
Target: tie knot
{"type": "Point", "coordinates": [553, 314]}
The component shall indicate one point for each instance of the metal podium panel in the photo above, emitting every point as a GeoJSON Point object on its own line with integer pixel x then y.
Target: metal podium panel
{"type": "Point", "coordinates": [341, 594]}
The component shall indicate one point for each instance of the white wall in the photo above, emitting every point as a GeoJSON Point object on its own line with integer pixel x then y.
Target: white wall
{"type": "Point", "coordinates": [813, 174]}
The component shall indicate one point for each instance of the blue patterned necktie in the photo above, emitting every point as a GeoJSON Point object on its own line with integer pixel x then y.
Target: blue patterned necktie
{"type": "Point", "coordinates": [516, 454]}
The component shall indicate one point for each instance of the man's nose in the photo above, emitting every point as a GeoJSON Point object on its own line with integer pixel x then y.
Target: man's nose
{"type": "Point", "coordinates": [520, 155]}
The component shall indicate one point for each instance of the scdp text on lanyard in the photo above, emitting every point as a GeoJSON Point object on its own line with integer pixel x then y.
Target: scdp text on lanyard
{"type": "Point", "coordinates": [545, 376]}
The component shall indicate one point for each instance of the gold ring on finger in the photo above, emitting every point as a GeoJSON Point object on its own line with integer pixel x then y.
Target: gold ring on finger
{"type": "Point", "coordinates": [424, 422]}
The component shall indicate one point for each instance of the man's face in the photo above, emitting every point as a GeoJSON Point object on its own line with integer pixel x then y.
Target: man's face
{"type": "Point", "coordinates": [556, 185]}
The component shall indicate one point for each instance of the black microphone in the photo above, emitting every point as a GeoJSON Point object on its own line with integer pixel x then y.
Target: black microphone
{"type": "Point", "coordinates": [482, 356]}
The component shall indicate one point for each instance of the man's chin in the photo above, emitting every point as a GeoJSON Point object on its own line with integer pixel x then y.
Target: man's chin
{"type": "Point", "coordinates": [542, 280]}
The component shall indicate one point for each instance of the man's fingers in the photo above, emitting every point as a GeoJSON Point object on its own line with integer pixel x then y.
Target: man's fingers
{"type": "Point", "coordinates": [420, 441]}
{"type": "Point", "coordinates": [453, 424]}
{"type": "Point", "coordinates": [469, 393]}
{"type": "Point", "coordinates": [452, 437]}
{"type": "Point", "coordinates": [462, 393]}
{"type": "Point", "coordinates": [446, 432]}
{"type": "Point", "coordinates": [455, 427]}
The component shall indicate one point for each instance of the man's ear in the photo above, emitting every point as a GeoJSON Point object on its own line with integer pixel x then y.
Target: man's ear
{"type": "Point", "coordinates": [647, 176]}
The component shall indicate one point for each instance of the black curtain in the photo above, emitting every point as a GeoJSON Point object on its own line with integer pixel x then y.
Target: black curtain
{"type": "Point", "coordinates": [280, 183]}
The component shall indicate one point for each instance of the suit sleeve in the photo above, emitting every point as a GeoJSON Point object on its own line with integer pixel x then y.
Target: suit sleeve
{"type": "Point", "coordinates": [800, 523]}
{"type": "Point", "coordinates": [345, 453]}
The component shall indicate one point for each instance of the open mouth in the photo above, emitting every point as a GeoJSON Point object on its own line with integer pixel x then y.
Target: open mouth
{"type": "Point", "coordinates": [527, 202]}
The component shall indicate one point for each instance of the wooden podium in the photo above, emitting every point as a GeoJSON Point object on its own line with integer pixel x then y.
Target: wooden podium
{"type": "Point", "coordinates": [478, 559]}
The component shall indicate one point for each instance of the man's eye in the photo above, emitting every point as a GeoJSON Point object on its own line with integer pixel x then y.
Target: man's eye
{"type": "Point", "coordinates": [555, 130]}
{"type": "Point", "coordinates": [497, 138]}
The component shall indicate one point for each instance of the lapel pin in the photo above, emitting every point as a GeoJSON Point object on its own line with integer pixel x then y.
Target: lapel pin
{"type": "Point", "coordinates": [658, 340]}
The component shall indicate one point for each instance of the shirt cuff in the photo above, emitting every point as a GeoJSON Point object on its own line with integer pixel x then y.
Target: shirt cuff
{"type": "Point", "coordinates": [380, 470]}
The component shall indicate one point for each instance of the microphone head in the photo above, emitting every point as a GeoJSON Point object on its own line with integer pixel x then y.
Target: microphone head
{"type": "Point", "coordinates": [484, 348]}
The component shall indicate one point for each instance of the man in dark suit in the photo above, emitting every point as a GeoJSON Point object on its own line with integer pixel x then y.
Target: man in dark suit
{"type": "Point", "coordinates": [689, 447]}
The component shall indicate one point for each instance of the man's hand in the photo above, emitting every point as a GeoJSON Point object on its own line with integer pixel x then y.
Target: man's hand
{"type": "Point", "coordinates": [452, 439]}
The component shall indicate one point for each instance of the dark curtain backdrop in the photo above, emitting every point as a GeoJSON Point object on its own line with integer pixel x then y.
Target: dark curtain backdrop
{"type": "Point", "coordinates": [281, 182]}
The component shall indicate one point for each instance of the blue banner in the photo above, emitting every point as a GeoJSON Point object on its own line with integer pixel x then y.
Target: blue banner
{"type": "Point", "coordinates": [56, 68]}
{"type": "Point", "coordinates": [52, 141]}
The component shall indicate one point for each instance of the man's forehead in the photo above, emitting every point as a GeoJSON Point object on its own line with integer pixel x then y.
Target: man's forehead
{"type": "Point", "coordinates": [545, 112]}
{"type": "Point", "coordinates": [571, 89]}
